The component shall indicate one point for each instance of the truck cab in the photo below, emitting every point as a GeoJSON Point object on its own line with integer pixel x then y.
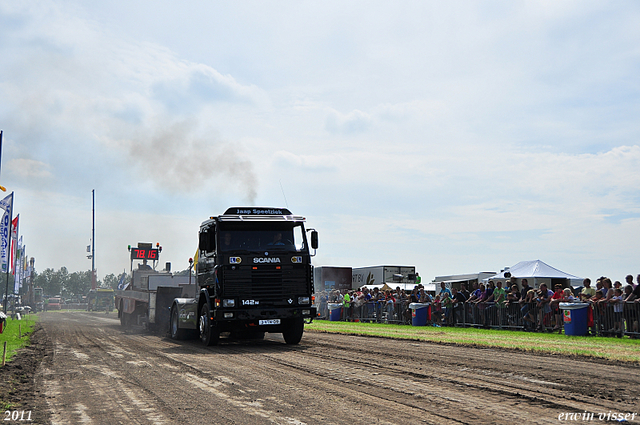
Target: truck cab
{"type": "Point", "coordinates": [254, 275]}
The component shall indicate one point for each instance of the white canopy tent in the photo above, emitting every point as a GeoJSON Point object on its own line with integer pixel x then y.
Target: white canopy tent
{"type": "Point", "coordinates": [536, 272]}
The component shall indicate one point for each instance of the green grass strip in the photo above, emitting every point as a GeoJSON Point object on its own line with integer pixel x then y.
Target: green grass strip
{"type": "Point", "coordinates": [12, 330]}
{"type": "Point", "coordinates": [621, 349]}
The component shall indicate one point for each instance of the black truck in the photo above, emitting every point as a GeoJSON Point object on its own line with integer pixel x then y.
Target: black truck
{"type": "Point", "coordinates": [254, 275]}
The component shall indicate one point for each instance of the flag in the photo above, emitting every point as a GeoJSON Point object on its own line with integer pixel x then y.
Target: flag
{"type": "Point", "coordinates": [14, 243]}
{"type": "Point", "coordinates": [17, 282]}
{"type": "Point", "coordinates": [22, 263]}
{"type": "Point", "coordinates": [195, 259]}
{"type": "Point", "coordinates": [27, 267]}
{"type": "Point", "coordinates": [121, 284]}
{"type": "Point", "coordinates": [7, 205]}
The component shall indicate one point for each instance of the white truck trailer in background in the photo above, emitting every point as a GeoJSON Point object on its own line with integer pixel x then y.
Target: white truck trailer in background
{"type": "Point", "coordinates": [393, 276]}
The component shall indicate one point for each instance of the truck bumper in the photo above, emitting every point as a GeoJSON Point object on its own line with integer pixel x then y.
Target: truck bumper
{"type": "Point", "coordinates": [231, 319]}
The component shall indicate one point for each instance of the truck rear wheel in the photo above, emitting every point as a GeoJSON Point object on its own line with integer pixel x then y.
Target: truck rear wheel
{"type": "Point", "coordinates": [125, 319]}
{"type": "Point", "coordinates": [209, 334]}
{"type": "Point", "coordinates": [293, 333]}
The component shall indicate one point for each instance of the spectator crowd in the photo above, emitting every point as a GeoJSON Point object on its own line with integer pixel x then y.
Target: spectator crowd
{"type": "Point", "coordinates": [613, 307]}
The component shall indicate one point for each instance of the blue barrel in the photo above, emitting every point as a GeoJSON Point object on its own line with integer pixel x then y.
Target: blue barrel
{"type": "Point", "coordinates": [335, 312]}
{"type": "Point", "coordinates": [419, 314]}
{"type": "Point", "coordinates": [575, 318]}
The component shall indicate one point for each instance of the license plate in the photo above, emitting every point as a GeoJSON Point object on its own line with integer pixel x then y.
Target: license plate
{"type": "Point", "coordinates": [269, 322]}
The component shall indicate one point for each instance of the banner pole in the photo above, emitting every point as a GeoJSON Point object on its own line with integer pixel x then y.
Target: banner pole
{"type": "Point", "coordinates": [6, 292]}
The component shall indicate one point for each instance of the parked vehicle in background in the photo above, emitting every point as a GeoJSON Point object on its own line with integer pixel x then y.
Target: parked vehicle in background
{"type": "Point", "coordinates": [55, 303]}
{"type": "Point", "coordinates": [101, 299]}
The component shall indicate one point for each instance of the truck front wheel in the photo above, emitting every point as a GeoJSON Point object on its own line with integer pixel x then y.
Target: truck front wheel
{"type": "Point", "coordinates": [293, 333]}
{"type": "Point", "coordinates": [209, 334]}
{"type": "Point", "coordinates": [174, 327]}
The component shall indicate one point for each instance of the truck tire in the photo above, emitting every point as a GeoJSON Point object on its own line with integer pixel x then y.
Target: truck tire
{"type": "Point", "coordinates": [293, 332]}
{"type": "Point", "coordinates": [125, 320]}
{"type": "Point", "coordinates": [174, 329]}
{"type": "Point", "coordinates": [209, 334]}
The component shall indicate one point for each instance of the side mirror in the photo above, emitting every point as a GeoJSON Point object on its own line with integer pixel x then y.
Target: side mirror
{"type": "Point", "coordinates": [314, 239]}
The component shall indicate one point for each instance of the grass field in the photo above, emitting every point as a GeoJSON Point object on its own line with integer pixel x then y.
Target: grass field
{"type": "Point", "coordinates": [624, 349]}
{"type": "Point", "coordinates": [12, 331]}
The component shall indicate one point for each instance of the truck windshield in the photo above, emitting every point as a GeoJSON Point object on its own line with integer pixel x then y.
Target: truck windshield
{"type": "Point", "coordinates": [262, 236]}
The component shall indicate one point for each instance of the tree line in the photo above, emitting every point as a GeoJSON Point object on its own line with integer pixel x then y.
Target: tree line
{"type": "Point", "coordinates": [69, 285]}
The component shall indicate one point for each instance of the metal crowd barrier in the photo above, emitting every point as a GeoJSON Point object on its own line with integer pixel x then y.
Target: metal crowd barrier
{"type": "Point", "coordinates": [515, 316]}
{"type": "Point", "coordinates": [379, 312]}
{"type": "Point", "coordinates": [372, 311]}
{"type": "Point", "coordinates": [611, 321]}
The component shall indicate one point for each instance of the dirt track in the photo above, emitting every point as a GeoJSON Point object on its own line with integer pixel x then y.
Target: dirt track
{"type": "Point", "coordinates": [99, 374]}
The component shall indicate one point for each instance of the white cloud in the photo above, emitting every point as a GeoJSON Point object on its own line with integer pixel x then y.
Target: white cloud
{"type": "Point", "coordinates": [354, 122]}
{"type": "Point", "coordinates": [26, 168]}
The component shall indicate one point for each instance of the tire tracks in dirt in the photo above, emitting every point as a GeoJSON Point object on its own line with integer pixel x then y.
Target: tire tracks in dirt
{"type": "Point", "coordinates": [100, 374]}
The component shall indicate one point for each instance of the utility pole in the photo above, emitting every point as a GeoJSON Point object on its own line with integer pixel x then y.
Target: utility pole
{"type": "Point", "coordinates": [30, 293]}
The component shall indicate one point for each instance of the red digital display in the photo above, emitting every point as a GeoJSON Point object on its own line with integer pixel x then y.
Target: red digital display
{"type": "Point", "coordinates": [144, 254]}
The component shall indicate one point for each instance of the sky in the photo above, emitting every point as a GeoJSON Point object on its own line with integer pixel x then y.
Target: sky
{"type": "Point", "coordinates": [457, 137]}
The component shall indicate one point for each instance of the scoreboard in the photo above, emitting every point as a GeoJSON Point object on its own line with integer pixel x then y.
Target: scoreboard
{"type": "Point", "coordinates": [144, 253]}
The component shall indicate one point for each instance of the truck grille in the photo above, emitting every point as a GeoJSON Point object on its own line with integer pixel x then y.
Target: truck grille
{"type": "Point", "coordinates": [271, 285]}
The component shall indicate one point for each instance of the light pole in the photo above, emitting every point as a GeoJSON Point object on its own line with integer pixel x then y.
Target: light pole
{"type": "Point", "coordinates": [92, 256]}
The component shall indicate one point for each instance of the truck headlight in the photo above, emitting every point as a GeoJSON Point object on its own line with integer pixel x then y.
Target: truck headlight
{"type": "Point", "coordinates": [306, 312]}
{"type": "Point", "coordinates": [229, 303]}
{"type": "Point", "coordinates": [304, 300]}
